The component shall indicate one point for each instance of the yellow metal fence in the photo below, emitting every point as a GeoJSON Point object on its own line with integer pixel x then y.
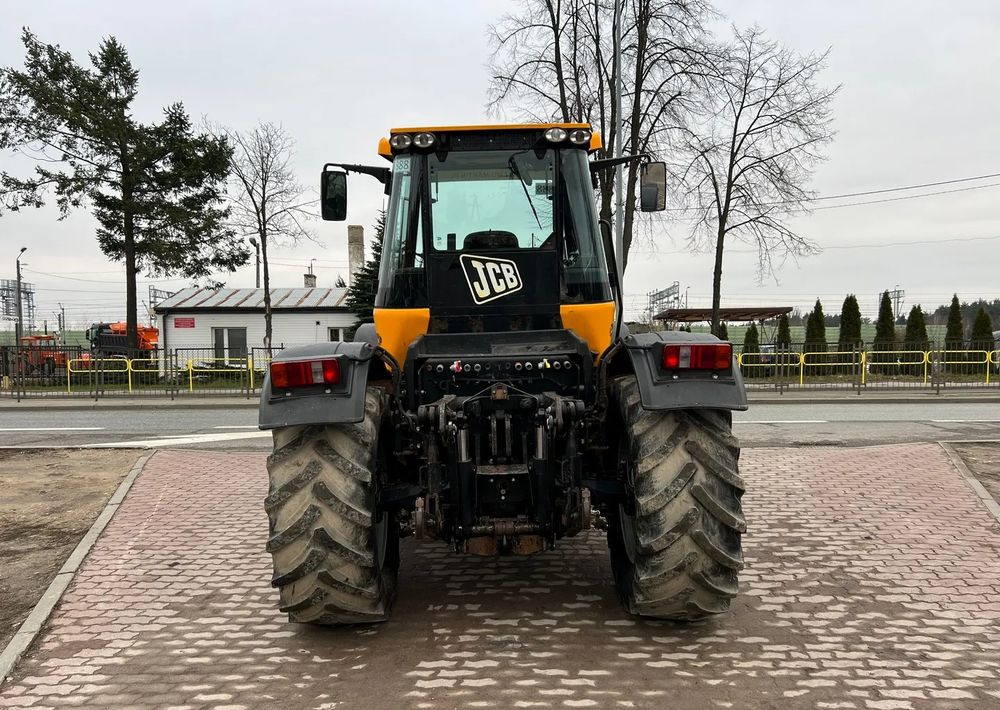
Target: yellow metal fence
{"type": "Point", "coordinates": [202, 371]}
{"type": "Point", "coordinates": [872, 367]}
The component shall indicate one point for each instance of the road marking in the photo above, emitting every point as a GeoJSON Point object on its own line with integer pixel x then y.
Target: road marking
{"type": "Point", "coordinates": [54, 428]}
{"type": "Point", "coordinates": [236, 426]}
{"type": "Point", "coordinates": [179, 441]}
{"type": "Point", "coordinates": [965, 421]}
{"type": "Point", "coordinates": [781, 421]}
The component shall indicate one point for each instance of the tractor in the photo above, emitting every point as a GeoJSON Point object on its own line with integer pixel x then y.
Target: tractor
{"type": "Point", "coordinates": [498, 403]}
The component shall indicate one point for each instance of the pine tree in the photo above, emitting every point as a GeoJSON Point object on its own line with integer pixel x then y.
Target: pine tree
{"type": "Point", "coordinates": [816, 338]}
{"type": "Point", "coordinates": [816, 329]}
{"type": "Point", "coordinates": [784, 339]}
{"type": "Point", "coordinates": [850, 323]}
{"type": "Point", "coordinates": [885, 334]}
{"type": "Point", "coordinates": [982, 333]}
{"type": "Point", "coordinates": [155, 189]}
{"type": "Point", "coordinates": [361, 293]}
{"type": "Point", "coordinates": [954, 338]}
{"type": "Point", "coordinates": [915, 339]}
{"type": "Point", "coordinates": [723, 332]}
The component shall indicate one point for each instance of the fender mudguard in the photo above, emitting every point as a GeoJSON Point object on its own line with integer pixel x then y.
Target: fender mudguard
{"type": "Point", "coordinates": [342, 404]}
{"type": "Point", "coordinates": [659, 390]}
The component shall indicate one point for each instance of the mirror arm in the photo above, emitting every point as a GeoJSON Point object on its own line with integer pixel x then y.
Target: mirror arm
{"type": "Point", "coordinates": [381, 174]}
{"type": "Point", "coordinates": [598, 165]}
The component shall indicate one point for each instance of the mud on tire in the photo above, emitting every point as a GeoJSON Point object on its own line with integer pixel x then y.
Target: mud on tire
{"type": "Point", "coordinates": [335, 557]}
{"type": "Point", "coordinates": [676, 545]}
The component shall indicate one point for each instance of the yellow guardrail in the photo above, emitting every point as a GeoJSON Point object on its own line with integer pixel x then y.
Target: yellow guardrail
{"type": "Point", "coordinates": [238, 365]}
{"type": "Point", "coordinates": [926, 360]}
{"type": "Point", "coordinates": [101, 366]}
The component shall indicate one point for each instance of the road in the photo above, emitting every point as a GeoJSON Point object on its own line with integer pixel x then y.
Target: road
{"type": "Point", "coordinates": [852, 424]}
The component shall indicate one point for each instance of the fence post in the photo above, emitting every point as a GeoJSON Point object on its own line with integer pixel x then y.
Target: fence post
{"type": "Point", "coordinates": [190, 369]}
{"type": "Point", "coordinates": [128, 370]}
{"type": "Point", "coordinates": [250, 365]}
{"type": "Point", "coordinates": [857, 357]}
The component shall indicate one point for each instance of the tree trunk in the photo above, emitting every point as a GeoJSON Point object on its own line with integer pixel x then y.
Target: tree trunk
{"type": "Point", "coordinates": [131, 297]}
{"type": "Point", "coordinates": [641, 47]}
{"type": "Point", "coordinates": [267, 292]}
{"type": "Point", "coordinates": [554, 20]}
{"type": "Point", "coordinates": [717, 280]}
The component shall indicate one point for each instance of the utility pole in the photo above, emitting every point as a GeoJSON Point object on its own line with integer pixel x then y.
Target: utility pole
{"type": "Point", "coordinates": [20, 313]}
{"type": "Point", "coordinates": [256, 247]}
{"type": "Point", "coordinates": [897, 298]}
{"type": "Point", "coordinates": [62, 325]}
{"type": "Point", "coordinates": [619, 139]}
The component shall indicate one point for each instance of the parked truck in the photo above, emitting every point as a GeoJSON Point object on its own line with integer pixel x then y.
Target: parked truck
{"type": "Point", "coordinates": [110, 340]}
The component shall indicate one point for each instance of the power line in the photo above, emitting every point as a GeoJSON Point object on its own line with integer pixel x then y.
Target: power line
{"type": "Point", "coordinates": [880, 191]}
{"type": "Point", "coordinates": [907, 197]}
{"type": "Point", "coordinates": [947, 240]}
{"type": "Point", "coordinates": [905, 187]}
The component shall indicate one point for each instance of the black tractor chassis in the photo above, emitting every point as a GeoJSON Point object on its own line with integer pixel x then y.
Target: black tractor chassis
{"type": "Point", "coordinates": [502, 434]}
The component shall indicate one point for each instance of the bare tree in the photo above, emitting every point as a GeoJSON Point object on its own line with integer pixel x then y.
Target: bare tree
{"type": "Point", "coordinates": [754, 153]}
{"type": "Point", "coordinates": [552, 60]}
{"type": "Point", "coordinates": [268, 202]}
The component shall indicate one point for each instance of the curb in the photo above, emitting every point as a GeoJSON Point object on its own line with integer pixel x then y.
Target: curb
{"type": "Point", "coordinates": [770, 398]}
{"type": "Point", "coordinates": [32, 626]}
{"type": "Point", "coordinates": [971, 480]}
{"type": "Point", "coordinates": [90, 405]}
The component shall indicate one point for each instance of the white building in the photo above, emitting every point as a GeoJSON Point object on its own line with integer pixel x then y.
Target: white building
{"type": "Point", "coordinates": [228, 322]}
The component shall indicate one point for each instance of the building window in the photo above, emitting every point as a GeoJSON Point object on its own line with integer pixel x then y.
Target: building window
{"type": "Point", "coordinates": [230, 343]}
{"type": "Point", "coordinates": [336, 334]}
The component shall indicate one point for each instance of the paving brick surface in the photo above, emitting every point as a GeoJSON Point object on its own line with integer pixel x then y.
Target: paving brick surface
{"type": "Point", "coordinates": [872, 581]}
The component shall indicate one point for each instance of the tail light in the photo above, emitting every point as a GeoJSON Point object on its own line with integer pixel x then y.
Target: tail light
{"type": "Point", "coordinates": [714, 356]}
{"type": "Point", "coordinates": [305, 373]}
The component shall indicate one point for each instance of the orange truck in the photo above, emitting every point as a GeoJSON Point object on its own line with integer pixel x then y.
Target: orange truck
{"type": "Point", "coordinates": [111, 340]}
{"type": "Point", "coordinates": [42, 354]}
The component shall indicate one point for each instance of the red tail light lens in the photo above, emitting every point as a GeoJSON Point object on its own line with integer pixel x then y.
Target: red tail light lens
{"type": "Point", "coordinates": [305, 373]}
{"type": "Point", "coordinates": [715, 356]}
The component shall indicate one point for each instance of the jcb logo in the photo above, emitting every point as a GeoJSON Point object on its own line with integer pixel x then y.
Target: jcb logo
{"type": "Point", "coordinates": [490, 278]}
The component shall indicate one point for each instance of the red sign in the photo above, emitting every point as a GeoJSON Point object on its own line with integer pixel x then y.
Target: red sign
{"type": "Point", "coordinates": [183, 322]}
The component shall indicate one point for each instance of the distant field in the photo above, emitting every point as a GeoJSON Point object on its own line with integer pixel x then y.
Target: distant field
{"type": "Point", "coordinates": [73, 338]}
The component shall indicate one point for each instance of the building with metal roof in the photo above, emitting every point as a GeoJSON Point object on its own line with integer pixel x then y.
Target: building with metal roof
{"type": "Point", "coordinates": [226, 323]}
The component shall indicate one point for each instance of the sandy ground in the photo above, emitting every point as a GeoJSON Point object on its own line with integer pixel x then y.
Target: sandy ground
{"type": "Point", "coordinates": [49, 500]}
{"type": "Point", "coordinates": [984, 462]}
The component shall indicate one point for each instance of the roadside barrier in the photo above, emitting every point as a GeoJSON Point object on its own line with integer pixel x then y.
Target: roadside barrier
{"type": "Point", "coordinates": [867, 368]}
{"type": "Point", "coordinates": [27, 372]}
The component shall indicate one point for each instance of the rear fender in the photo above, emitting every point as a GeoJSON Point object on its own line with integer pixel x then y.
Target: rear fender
{"type": "Point", "coordinates": [695, 390]}
{"type": "Point", "coordinates": [343, 404]}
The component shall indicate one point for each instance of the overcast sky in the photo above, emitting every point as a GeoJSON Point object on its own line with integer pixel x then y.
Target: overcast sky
{"type": "Point", "coordinates": [920, 103]}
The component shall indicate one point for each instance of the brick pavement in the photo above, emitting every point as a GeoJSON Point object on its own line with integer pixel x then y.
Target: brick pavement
{"type": "Point", "coordinates": [872, 581]}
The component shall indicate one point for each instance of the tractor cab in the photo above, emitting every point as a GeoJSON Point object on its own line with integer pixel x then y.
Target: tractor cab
{"type": "Point", "coordinates": [488, 229]}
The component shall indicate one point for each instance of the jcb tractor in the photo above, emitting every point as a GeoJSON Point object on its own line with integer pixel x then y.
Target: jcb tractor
{"type": "Point", "coordinates": [498, 403]}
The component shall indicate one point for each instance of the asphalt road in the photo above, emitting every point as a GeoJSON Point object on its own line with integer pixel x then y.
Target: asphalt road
{"type": "Point", "coordinates": [854, 424]}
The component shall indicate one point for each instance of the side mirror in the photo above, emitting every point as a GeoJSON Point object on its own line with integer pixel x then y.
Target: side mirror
{"type": "Point", "coordinates": [333, 195]}
{"type": "Point", "coordinates": [653, 187]}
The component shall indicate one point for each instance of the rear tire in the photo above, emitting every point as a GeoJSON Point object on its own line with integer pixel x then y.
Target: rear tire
{"type": "Point", "coordinates": [676, 542]}
{"type": "Point", "coordinates": [335, 557]}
